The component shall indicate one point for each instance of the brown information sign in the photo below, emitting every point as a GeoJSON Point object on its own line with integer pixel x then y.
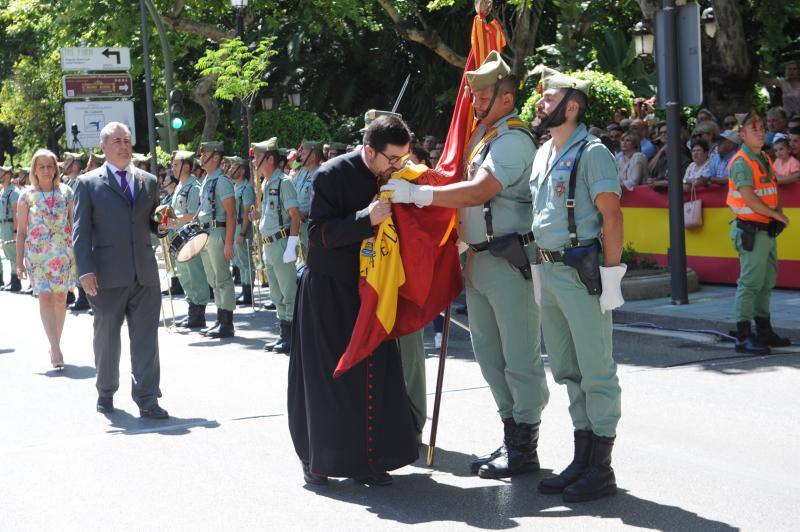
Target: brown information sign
{"type": "Point", "coordinates": [97, 86]}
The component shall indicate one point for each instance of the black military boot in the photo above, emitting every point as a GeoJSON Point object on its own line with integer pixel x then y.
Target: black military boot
{"type": "Point", "coordinates": [225, 329]}
{"type": "Point", "coordinates": [598, 480]}
{"type": "Point", "coordinates": [237, 276]}
{"type": "Point", "coordinates": [2, 283]}
{"type": "Point", "coordinates": [746, 341]}
{"type": "Point", "coordinates": [81, 303]}
{"type": "Point", "coordinates": [508, 430]}
{"type": "Point", "coordinates": [70, 298]}
{"type": "Point", "coordinates": [520, 455]}
{"type": "Point", "coordinates": [284, 344]}
{"type": "Point", "coordinates": [177, 287]}
{"type": "Point", "coordinates": [210, 292]}
{"type": "Point", "coordinates": [14, 285]}
{"type": "Point", "coordinates": [215, 326]}
{"type": "Point", "coordinates": [767, 336]}
{"type": "Point", "coordinates": [580, 461]}
{"type": "Point", "coordinates": [195, 318]}
{"type": "Point", "coordinates": [247, 295]}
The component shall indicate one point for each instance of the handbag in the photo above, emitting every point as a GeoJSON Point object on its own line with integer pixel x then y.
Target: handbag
{"type": "Point", "coordinates": [693, 211]}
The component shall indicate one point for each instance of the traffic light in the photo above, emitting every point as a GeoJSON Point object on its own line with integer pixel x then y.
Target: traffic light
{"type": "Point", "coordinates": [161, 130]}
{"type": "Point", "coordinates": [176, 109]}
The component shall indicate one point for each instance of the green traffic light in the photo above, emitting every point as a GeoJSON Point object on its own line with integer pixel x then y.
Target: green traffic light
{"type": "Point", "coordinates": [178, 122]}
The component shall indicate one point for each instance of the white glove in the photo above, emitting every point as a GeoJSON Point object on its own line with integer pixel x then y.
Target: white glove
{"type": "Point", "coordinates": [536, 278]}
{"type": "Point", "coordinates": [611, 278]}
{"type": "Point", "coordinates": [406, 192]}
{"type": "Point", "coordinates": [290, 255]}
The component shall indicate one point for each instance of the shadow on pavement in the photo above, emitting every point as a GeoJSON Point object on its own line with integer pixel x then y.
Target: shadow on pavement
{"type": "Point", "coordinates": [124, 423]}
{"type": "Point", "coordinates": [4, 351]}
{"type": "Point", "coordinates": [71, 371]}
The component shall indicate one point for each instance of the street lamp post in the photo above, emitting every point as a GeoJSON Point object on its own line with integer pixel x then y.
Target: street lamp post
{"type": "Point", "coordinates": [239, 7]}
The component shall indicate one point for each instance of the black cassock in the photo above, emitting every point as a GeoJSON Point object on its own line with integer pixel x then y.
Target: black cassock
{"type": "Point", "coordinates": [361, 422]}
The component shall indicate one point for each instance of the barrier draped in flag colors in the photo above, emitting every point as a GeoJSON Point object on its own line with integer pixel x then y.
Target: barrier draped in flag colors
{"type": "Point", "coordinates": [410, 270]}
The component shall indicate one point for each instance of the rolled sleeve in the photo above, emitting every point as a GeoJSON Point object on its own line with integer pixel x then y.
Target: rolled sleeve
{"type": "Point", "coordinates": [599, 170]}
{"type": "Point", "coordinates": [224, 188]}
{"type": "Point", "coordinates": [741, 174]}
{"type": "Point", "coordinates": [289, 195]}
{"type": "Point", "coordinates": [510, 156]}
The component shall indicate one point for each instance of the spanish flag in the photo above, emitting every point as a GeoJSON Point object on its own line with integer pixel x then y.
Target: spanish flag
{"type": "Point", "coordinates": [409, 271]}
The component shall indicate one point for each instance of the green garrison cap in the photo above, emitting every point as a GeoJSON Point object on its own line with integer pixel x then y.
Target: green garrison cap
{"type": "Point", "coordinates": [70, 156]}
{"type": "Point", "coordinates": [97, 157]}
{"type": "Point", "coordinates": [312, 145]}
{"type": "Point", "coordinates": [339, 146]}
{"type": "Point", "coordinates": [140, 158]}
{"type": "Point", "coordinates": [236, 161]}
{"type": "Point", "coordinates": [284, 152]}
{"type": "Point", "coordinates": [216, 146]}
{"type": "Point", "coordinates": [706, 127]}
{"type": "Point", "coordinates": [747, 118]}
{"type": "Point", "coordinates": [553, 79]}
{"type": "Point", "coordinates": [372, 114]}
{"type": "Point", "coordinates": [25, 170]}
{"type": "Point", "coordinates": [265, 146]}
{"type": "Point", "coordinates": [183, 155]}
{"type": "Point", "coordinates": [5, 169]}
{"type": "Point", "coordinates": [492, 70]}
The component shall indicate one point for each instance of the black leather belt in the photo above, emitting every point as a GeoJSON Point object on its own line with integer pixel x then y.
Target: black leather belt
{"type": "Point", "coordinates": [213, 225]}
{"type": "Point", "coordinates": [544, 255]}
{"type": "Point", "coordinates": [5, 220]}
{"type": "Point", "coordinates": [527, 239]}
{"type": "Point", "coordinates": [758, 226]}
{"type": "Point", "coordinates": [283, 233]}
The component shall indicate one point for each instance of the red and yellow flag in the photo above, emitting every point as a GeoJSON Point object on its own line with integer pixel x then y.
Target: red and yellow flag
{"type": "Point", "coordinates": [404, 286]}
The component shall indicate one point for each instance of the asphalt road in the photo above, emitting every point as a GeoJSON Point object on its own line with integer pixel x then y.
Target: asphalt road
{"type": "Point", "coordinates": [706, 442]}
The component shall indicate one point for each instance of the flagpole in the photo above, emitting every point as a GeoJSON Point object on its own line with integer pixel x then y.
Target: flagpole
{"type": "Point", "coordinates": [439, 383]}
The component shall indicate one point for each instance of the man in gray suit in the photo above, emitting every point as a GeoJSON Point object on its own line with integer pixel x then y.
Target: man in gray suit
{"type": "Point", "coordinates": [114, 208]}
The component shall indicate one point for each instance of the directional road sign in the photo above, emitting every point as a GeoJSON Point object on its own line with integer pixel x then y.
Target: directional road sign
{"type": "Point", "coordinates": [97, 85]}
{"type": "Point", "coordinates": [95, 58]}
{"type": "Point", "coordinates": [90, 117]}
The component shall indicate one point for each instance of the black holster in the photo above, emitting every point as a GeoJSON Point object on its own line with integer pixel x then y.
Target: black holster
{"type": "Point", "coordinates": [775, 228]}
{"type": "Point", "coordinates": [511, 248]}
{"type": "Point", "coordinates": [749, 231]}
{"type": "Point", "coordinates": [586, 260]}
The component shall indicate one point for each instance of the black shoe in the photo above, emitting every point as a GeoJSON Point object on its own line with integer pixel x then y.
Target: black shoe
{"type": "Point", "coordinates": [2, 283]}
{"type": "Point", "coordinates": [580, 461]}
{"type": "Point", "coordinates": [237, 276]}
{"type": "Point", "coordinates": [247, 295]}
{"type": "Point", "coordinates": [81, 303]}
{"type": "Point", "coordinates": [225, 329]}
{"type": "Point", "coordinates": [767, 336]}
{"type": "Point", "coordinates": [460, 309]}
{"type": "Point", "coordinates": [508, 431]}
{"type": "Point", "coordinates": [746, 341]}
{"type": "Point", "coordinates": [284, 344]}
{"type": "Point", "coordinates": [520, 455]}
{"type": "Point", "coordinates": [270, 306]}
{"type": "Point", "coordinates": [195, 318]}
{"type": "Point", "coordinates": [210, 292]}
{"type": "Point", "coordinates": [376, 479]}
{"type": "Point", "coordinates": [14, 285]}
{"type": "Point", "coordinates": [212, 327]}
{"type": "Point", "coordinates": [175, 288]}
{"type": "Point", "coordinates": [598, 480]}
{"type": "Point", "coordinates": [105, 405]}
{"type": "Point", "coordinates": [313, 478]}
{"type": "Point", "coordinates": [154, 412]}
{"type": "Point", "coordinates": [70, 298]}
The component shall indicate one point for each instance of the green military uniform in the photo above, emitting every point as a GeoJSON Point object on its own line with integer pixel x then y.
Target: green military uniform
{"type": "Point", "coordinates": [186, 200]}
{"type": "Point", "coordinates": [8, 233]}
{"type": "Point", "coordinates": [215, 189]}
{"type": "Point", "coordinates": [69, 159]}
{"type": "Point", "coordinates": [245, 198]}
{"type": "Point", "coordinates": [412, 354]}
{"type": "Point", "coordinates": [304, 185]}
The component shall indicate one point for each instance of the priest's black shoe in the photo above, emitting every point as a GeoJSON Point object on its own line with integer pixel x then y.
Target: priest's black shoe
{"type": "Point", "coordinates": [580, 461]}
{"type": "Point", "coordinates": [14, 285]}
{"type": "Point", "coordinates": [70, 298]}
{"type": "Point", "coordinates": [520, 455]}
{"type": "Point", "coordinates": [269, 305]}
{"type": "Point", "coordinates": [105, 405]}
{"type": "Point", "coordinates": [598, 480]}
{"type": "Point", "coordinates": [81, 303]}
{"type": "Point", "coordinates": [508, 431]}
{"type": "Point", "coordinates": [767, 336]}
{"type": "Point", "coordinates": [747, 342]}
{"type": "Point", "coordinates": [376, 479]}
{"type": "Point", "coordinates": [154, 412]}
{"type": "Point", "coordinates": [225, 328]}
{"type": "Point", "coordinates": [312, 478]}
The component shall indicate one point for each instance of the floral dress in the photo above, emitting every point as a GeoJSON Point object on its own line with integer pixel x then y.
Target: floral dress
{"type": "Point", "coordinates": [48, 244]}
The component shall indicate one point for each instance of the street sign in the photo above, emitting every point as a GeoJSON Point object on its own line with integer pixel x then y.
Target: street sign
{"type": "Point", "coordinates": [97, 85]}
{"type": "Point", "coordinates": [690, 57]}
{"type": "Point", "coordinates": [91, 117]}
{"type": "Point", "coordinates": [95, 58]}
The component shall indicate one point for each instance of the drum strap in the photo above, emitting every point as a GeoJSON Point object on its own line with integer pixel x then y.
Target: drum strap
{"type": "Point", "coordinates": [280, 205]}
{"type": "Point", "coordinates": [212, 191]}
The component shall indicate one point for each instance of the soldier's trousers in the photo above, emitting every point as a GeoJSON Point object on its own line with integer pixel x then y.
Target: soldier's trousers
{"type": "Point", "coordinates": [241, 257]}
{"type": "Point", "coordinates": [282, 279]}
{"type": "Point", "coordinates": [412, 354]}
{"type": "Point", "coordinates": [193, 279]}
{"type": "Point", "coordinates": [218, 269]}
{"type": "Point", "coordinates": [758, 270]}
{"type": "Point", "coordinates": [9, 244]}
{"type": "Point", "coordinates": [303, 239]}
{"type": "Point", "coordinates": [579, 348]}
{"type": "Point", "coordinates": [504, 326]}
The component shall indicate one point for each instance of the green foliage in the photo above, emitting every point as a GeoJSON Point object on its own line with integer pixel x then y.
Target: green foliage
{"type": "Point", "coordinates": [346, 128]}
{"type": "Point", "coordinates": [528, 111]}
{"type": "Point", "coordinates": [761, 101]}
{"type": "Point", "coordinates": [290, 124]}
{"type": "Point", "coordinates": [617, 56]}
{"type": "Point", "coordinates": [636, 260]}
{"type": "Point", "coordinates": [239, 70]}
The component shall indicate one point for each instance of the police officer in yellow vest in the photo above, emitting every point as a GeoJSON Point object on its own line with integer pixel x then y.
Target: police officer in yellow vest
{"type": "Point", "coordinates": [577, 223]}
{"type": "Point", "coordinates": [245, 199]}
{"type": "Point", "coordinates": [304, 183]}
{"type": "Point", "coordinates": [753, 197]}
{"type": "Point", "coordinates": [185, 203]}
{"type": "Point", "coordinates": [8, 227]}
{"type": "Point", "coordinates": [217, 215]}
{"type": "Point", "coordinates": [278, 218]}
{"type": "Point", "coordinates": [495, 219]}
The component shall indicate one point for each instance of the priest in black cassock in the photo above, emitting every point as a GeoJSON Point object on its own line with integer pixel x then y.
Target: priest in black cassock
{"type": "Point", "coordinates": [359, 425]}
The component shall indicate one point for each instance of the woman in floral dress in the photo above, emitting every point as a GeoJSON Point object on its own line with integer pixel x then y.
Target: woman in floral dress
{"type": "Point", "coordinates": [44, 233]}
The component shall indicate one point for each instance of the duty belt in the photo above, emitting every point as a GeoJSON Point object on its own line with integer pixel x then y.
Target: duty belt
{"type": "Point", "coordinates": [758, 226]}
{"type": "Point", "coordinates": [543, 255]}
{"type": "Point", "coordinates": [271, 239]}
{"type": "Point", "coordinates": [527, 239]}
{"type": "Point", "coordinates": [213, 224]}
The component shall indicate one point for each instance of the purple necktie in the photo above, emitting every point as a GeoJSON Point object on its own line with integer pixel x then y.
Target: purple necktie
{"type": "Point", "coordinates": [124, 184]}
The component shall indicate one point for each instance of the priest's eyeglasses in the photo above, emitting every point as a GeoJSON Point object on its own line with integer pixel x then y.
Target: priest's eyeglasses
{"type": "Point", "coordinates": [396, 162]}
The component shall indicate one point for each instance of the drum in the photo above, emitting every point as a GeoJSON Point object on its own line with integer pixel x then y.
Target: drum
{"type": "Point", "coordinates": [188, 242]}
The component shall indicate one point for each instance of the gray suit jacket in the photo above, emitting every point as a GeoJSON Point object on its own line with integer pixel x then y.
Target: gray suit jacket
{"type": "Point", "coordinates": [110, 237]}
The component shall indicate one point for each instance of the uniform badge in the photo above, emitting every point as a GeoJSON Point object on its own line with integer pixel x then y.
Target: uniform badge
{"type": "Point", "coordinates": [560, 189]}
